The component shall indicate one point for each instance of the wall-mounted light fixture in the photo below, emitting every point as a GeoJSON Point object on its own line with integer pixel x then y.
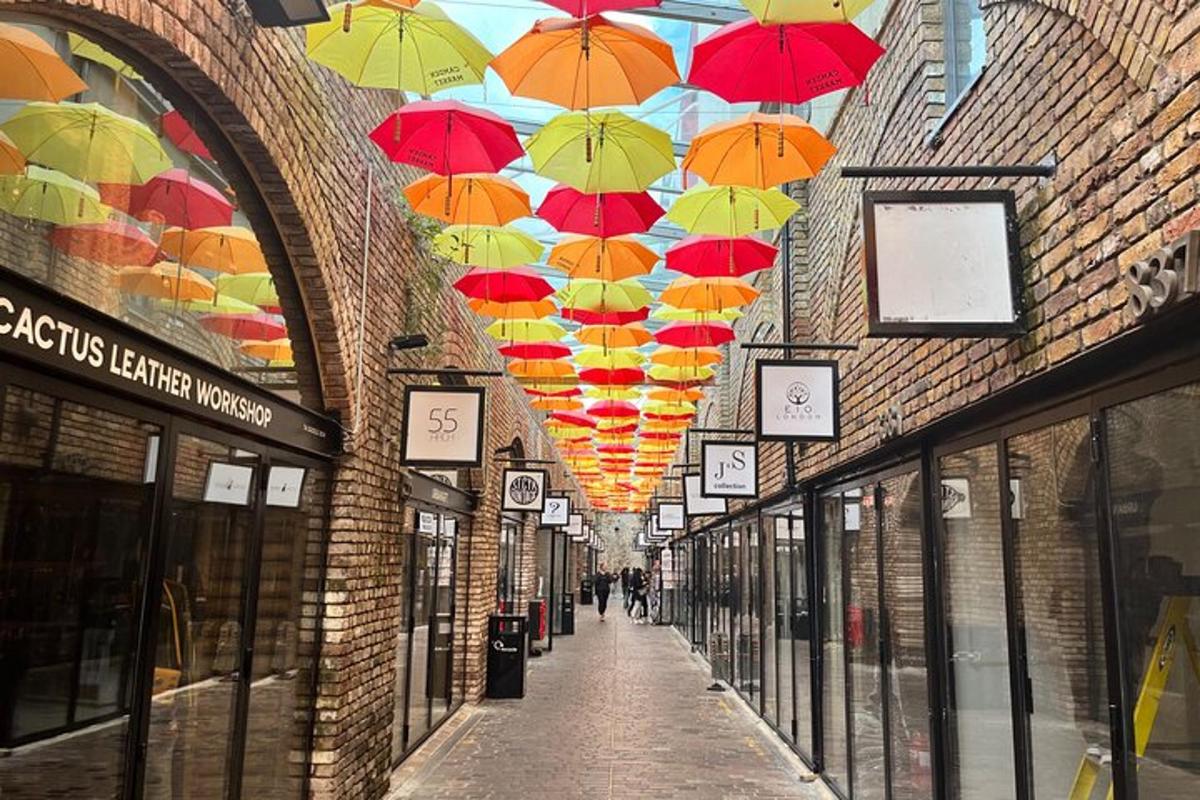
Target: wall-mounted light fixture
{"type": "Point", "coordinates": [288, 13]}
{"type": "Point", "coordinates": [412, 341]}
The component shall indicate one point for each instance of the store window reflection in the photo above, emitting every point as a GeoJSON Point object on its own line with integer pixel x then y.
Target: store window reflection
{"type": "Point", "coordinates": [833, 632]}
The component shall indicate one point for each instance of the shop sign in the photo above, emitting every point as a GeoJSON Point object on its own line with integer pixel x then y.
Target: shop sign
{"type": "Point", "coordinates": [956, 498]}
{"type": "Point", "coordinates": [446, 476]}
{"type": "Point", "coordinates": [671, 517]}
{"type": "Point", "coordinates": [443, 426]}
{"type": "Point", "coordinates": [1164, 278]}
{"type": "Point", "coordinates": [942, 263]}
{"type": "Point", "coordinates": [798, 401]}
{"type": "Point", "coordinates": [426, 522]}
{"type": "Point", "coordinates": [575, 525]}
{"type": "Point", "coordinates": [728, 469]}
{"type": "Point", "coordinates": [557, 512]}
{"type": "Point", "coordinates": [695, 504]}
{"type": "Point", "coordinates": [228, 484]}
{"type": "Point", "coordinates": [284, 486]}
{"type": "Point", "coordinates": [524, 490]}
{"type": "Point", "coordinates": [56, 333]}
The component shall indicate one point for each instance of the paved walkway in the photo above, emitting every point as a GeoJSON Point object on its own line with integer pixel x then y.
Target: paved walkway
{"type": "Point", "coordinates": [617, 712]}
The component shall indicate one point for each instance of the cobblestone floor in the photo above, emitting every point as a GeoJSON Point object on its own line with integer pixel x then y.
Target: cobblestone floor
{"type": "Point", "coordinates": [617, 711]}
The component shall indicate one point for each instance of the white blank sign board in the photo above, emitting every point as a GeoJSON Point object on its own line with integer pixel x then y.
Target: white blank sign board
{"type": "Point", "coordinates": [941, 262]}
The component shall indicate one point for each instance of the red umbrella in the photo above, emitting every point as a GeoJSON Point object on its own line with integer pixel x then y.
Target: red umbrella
{"type": "Point", "coordinates": [682, 415]}
{"type": "Point", "coordinates": [262, 327]}
{"type": "Point", "coordinates": [749, 61]}
{"type": "Point", "coordinates": [174, 198]}
{"type": "Point", "coordinates": [448, 137]}
{"type": "Point", "coordinates": [573, 391]}
{"type": "Point", "coordinates": [574, 418]}
{"type": "Point", "coordinates": [613, 409]}
{"type": "Point", "coordinates": [587, 317]}
{"type": "Point", "coordinates": [608, 214]}
{"type": "Point", "coordinates": [616, 448]}
{"type": "Point", "coordinates": [681, 385]}
{"type": "Point", "coordinates": [535, 350]}
{"type": "Point", "coordinates": [182, 135]}
{"type": "Point", "coordinates": [622, 429]}
{"type": "Point", "coordinates": [720, 256]}
{"type": "Point", "coordinates": [661, 436]}
{"type": "Point", "coordinates": [581, 8]}
{"type": "Point", "coordinates": [694, 334]}
{"type": "Point", "coordinates": [117, 244]}
{"type": "Point", "coordinates": [612, 377]}
{"type": "Point", "coordinates": [504, 285]}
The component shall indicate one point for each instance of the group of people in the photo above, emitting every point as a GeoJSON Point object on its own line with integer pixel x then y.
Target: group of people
{"type": "Point", "coordinates": [637, 589]}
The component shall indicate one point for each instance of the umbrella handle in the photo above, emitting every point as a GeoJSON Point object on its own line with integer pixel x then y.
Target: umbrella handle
{"type": "Point", "coordinates": [346, 17]}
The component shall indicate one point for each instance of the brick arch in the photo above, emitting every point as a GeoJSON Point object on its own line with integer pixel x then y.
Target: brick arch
{"type": "Point", "coordinates": [181, 62]}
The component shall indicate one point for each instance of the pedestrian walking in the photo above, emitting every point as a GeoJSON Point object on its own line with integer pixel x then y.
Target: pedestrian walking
{"type": "Point", "coordinates": [624, 581]}
{"type": "Point", "coordinates": [602, 585]}
{"type": "Point", "coordinates": [638, 590]}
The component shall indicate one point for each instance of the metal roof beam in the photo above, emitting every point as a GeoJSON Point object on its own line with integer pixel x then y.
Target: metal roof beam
{"type": "Point", "coordinates": [691, 11]}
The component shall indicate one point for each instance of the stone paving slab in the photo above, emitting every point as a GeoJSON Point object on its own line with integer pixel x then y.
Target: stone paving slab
{"type": "Point", "coordinates": [618, 711]}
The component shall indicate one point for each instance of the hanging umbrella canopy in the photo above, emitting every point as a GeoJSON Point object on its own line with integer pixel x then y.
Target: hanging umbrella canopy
{"type": "Point", "coordinates": [447, 137]}
{"type": "Point", "coordinates": [47, 195]}
{"type": "Point", "coordinates": [172, 198]}
{"type": "Point", "coordinates": [605, 151]}
{"type": "Point", "coordinates": [612, 377]}
{"type": "Point", "coordinates": [255, 288]}
{"type": "Point", "coordinates": [541, 369]}
{"type": "Point", "coordinates": [397, 45]}
{"type": "Point", "coordinates": [675, 395]}
{"type": "Point", "coordinates": [593, 258]}
{"type": "Point", "coordinates": [518, 309]}
{"type": "Point", "coordinates": [525, 330]}
{"type": "Point", "coordinates": [720, 256]}
{"type": "Point", "coordinates": [180, 133]}
{"type": "Point", "coordinates": [662, 436]}
{"type": "Point", "coordinates": [779, 11]}
{"type": "Point", "coordinates": [273, 350]}
{"type": "Point", "coordinates": [614, 336]}
{"type": "Point", "coordinates": [614, 409]}
{"type": "Point", "coordinates": [589, 62]}
{"type": "Point", "coordinates": [166, 281]}
{"type": "Point", "coordinates": [609, 358]}
{"type": "Point", "coordinates": [117, 244]}
{"type": "Point", "coordinates": [12, 162]}
{"type": "Point", "coordinates": [550, 389]}
{"type": "Point", "coordinates": [260, 326]}
{"type": "Point", "coordinates": [32, 68]}
{"type": "Point", "coordinates": [504, 285]}
{"type": "Point", "coordinates": [760, 150]}
{"type": "Point", "coordinates": [686, 356]}
{"type": "Point", "coordinates": [688, 375]}
{"type": "Point", "coordinates": [485, 246]}
{"type": "Point", "coordinates": [228, 249]}
{"type": "Point", "coordinates": [471, 199]}
{"type": "Point", "coordinates": [616, 448]}
{"type": "Point", "coordinates": [668, 313]}
{"type": "Point", "coordinates": [604, 214]}
{"type": "Point", "coordinates": [695, 334]}
{"type": "Point", "coordinates": [605, 296]}
{"type": "Point", "coordinates": [618, 426]}
{"type": "Point", "coordinates": [535, 350]}
{"type": "Point", "coordinates": [669, 409]}
{"type": "Point", "coordinates": [709, 294]}
{"type": "Point", "coordinates": [613, 392]}
{"type": "Point", "coordinates": [556, 404]}
{"type": "Point", "coordinates": [585, 316]}
{"type": "Point", "coordinates": [217, 305]}
{"type": "Point", "coordinates": [731, 210]}
{"type": "Point", "coordinates": [571, 418]}
{"type": "Point", "coordinates": [87, 141]}
{"type": "Point", "coordinates": [748, 61]}
{"type": "Point", "coordinates": [87, 49]}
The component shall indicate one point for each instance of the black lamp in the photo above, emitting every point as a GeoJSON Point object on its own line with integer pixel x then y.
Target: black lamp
{"type": "Point", "coordinates": [288, 13]}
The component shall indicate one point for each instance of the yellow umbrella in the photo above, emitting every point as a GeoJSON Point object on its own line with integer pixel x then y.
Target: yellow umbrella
{"type": "Point", "coordinates": [87, 49]}
{"type": "Point", "coordinates": [487, 246]}
{"type": "Point", "coordinates": [217, 305]}
{"type": "Point", "coordinates": [686, 356]}
{"type": "Point", "coordinates": [731, 210]}
{"type": "Point", "coordinates": [661, 372]}
{"type": "Point", "coordinates": [668, 313]}
{"type": "Point", "coordinates": [608, 359]}
{"type": "Point", "coordinates": [606, 151]}
{"type": "Point", "coordinates": [471, 199]}
{"type": "Point", "coordinates": [32, 69]}
{"type": "Point", "coordinates": [540, 368]}
{"type": "Point", "coordinates": [165, 281]}
{"type": "Point", "coordinates": [774, 12]}
{"type": "Point", "coordinates": [11, 160]}
{"type": "Point", "coordinates": [277, 350]}
{"type": "Point", "coordinates": [256, 288]}
{"type": "Point", "coordinates": [605, 296]}
{"type": "Point", "coordinates": [760, 150]}
{"type": "Point", "coordinates": [525, 330]}
{"type": "Point", "coordinates": [612, 392]}
{"type": "Point", "coordinates": [50, 196]}
{"type": "Point", "coordinates": [709, 294]}
{"type": "Point", "coordinates": [231, 250]}
{"type": "Point", "coordinates": [611, 259]}
{"type": "Point", "coordinates": [614, 336]}
{"type": "Point", "coordinates": [675, 395]}
{"type": "Point", "coordinates": [521, 309]}
{"type": "Point", "coordinates": [669, 408]}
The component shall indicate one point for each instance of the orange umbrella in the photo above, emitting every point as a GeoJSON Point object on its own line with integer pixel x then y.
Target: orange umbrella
{"type": "Point", "coordinates": [585, 63]}
{"type": "Point", "coordinates": [33, 70]}
{"type": "Point", "coordinates": [276, 350]}
{"type": "Point", "coordinates": [760, 150]}
{"type": "Point", "coordinates": [675, 395]}
{"type": "Point", "coordinates": [709, 294]}
{"type": "Point", "coordinates": [11, 160]}
{"type": "Point", "coordinates": [228, 249]}
{"type": "Point", "coordinates": [614, 336]}
{"type": "Point", "coordinates": [524, 309]}
{"type": "Point", "coordinates": [556, 404]}
{"type": "Point", "coordinates": [611, 259]}
{"type": "Point", "coordinates": [540, 368]}
{"type": "Point", "coordinates": [166, 281]}
{"type": "Point", "coordinates": [686, 356]}
{"type": "Point", "coordinates": [470, 199]}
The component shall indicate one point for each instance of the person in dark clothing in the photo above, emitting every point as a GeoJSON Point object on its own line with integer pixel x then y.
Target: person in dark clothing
{"type": "Point", "coordinates": [624, 581]}
{"type": "Point", "coordinates": [602, 584]}
{"type": "Point", "coordinates": [638, 591]}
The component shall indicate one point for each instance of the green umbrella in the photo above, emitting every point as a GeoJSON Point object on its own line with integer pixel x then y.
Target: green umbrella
{"type": "Point", "coordinates": [731, 210]}
{"type": "Point", "coordinates": [605, 296]}
{"type": "Point", "coordinates": [50, 196]}
{"type": "Point", "coordinates": [487, 246]}
{"type": "Point", "coordinates": [218, 305]}
{"type": "Point", "coordinates": [603, 151]}
{"type": "Point", "coordinates": [255, 288]}
{"type": "Point", "coordinates": [672, 314]}
{"type": "Point", "coordinates": [87, 141]}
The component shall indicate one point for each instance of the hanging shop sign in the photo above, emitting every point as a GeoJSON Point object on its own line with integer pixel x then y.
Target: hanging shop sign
{"type": "Point", "coordinates": [58, 334]}
{"type": "Point", "coordinates": [443, 426]}
{"type": "Point", "coordinates": [942, 263]}
{"type": "Point", "coordinates": [446, 476]}
{"type": "Point", "coordinates": [728, 469]}
{"type": "Point", "coordinates": [584, 532]}
{"type": "Point", "coordinates": [671, 517]}
{"type": "Point", "coordinates": [575, 525]}
{"type": "Point", "coordinates": [557, 513]}
{"type": "Point", "coordinates": [695, 504]}
{"type": "Point", "coordinates": [798, 401]}
{"type": "Point", "coordinates": [525, 490]}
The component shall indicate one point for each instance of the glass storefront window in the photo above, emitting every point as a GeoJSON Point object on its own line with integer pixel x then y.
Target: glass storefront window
{"type": "Point", "coordinates": [863, 663]}
{"type": "Point", "coordinates": [834, 511]}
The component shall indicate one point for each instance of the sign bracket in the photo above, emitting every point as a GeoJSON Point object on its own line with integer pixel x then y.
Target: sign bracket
{"type": "Point", "coordinates": [950, 171]}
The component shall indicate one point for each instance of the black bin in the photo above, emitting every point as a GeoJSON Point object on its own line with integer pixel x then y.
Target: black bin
{"type": "Point", "coordinates": [568, 614]}
{"type": "Point", "coordinates": [585, 592]}
{"type": "Point", "coordinates": [506, 655]}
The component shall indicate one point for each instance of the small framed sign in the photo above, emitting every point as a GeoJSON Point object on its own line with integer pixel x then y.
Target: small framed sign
{"type": "Point", "coordinates": [284, 486]}
{"type": "Point", "coordinates": [671, 517]}
{"type": "Point", "coordinates": [557, 512]}
{"type": "Point", "coordinates": [443, 426]}
{"type": "Point", "coordinates": [942, 263]}
{"type": "Point", "coordinates": [695, 504]}
{"type": "Point", "coordinates": [728, 469]}
{"type": "Point", "coordinates": [574, 525]}
{"type": "Point", "coordinates": [798, 401]}
{"type": "Point", "coordinates": [524, 490]}
{"type": "Point", "coordinates": [228, 484]}
{"type": "Point", "coordinates": [956, 498]}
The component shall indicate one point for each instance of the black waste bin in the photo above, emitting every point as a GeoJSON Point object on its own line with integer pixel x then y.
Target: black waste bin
{"type": "Point", "coordinates": [585, 592]}
{"type": "Point", "coordinates": [568, 614]}
{"type": "Point", "coordinates": [506, 655]}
